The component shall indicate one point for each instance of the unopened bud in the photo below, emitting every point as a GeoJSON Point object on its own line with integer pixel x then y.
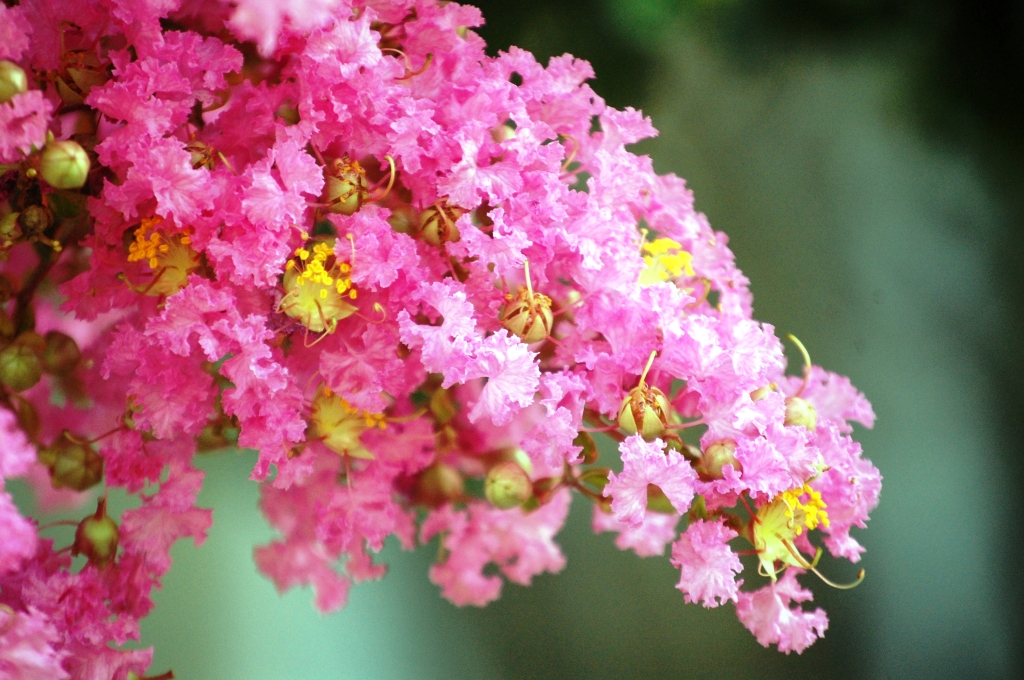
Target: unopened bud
{"type": "Point", "coordinates": [800, 412]}
{"type": "Point", "coordinates": [761, 393]}
{"type": "Point", "coordinates": [645, 411]}
{"type": "Point", "coordinates": [72, 465]}
{"type": "Point", "coordinates": [64, 165]}
{"type": "Point", "coordinates": [437, 224]}
{"type": "Point", "coordinates": [12, 81]}
{"type": "Point", "coordinates": [502, 133]}
{"type": "Point", "coordinates": [507, 485]}
{"type": "Point", "coordinates": [97, 537]}
{"type": "Point", "coordinates": [61, 354]}
{"type": "Point", "coordinates": [20, 365]}
{"type": "Point", "coordinates": [10, 230]}
{"type": "Point", "coordinates": [718, 455]}
{"type": "Point", "coordinates": [437, 485]}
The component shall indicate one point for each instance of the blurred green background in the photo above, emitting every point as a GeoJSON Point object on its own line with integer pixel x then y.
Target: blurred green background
{"type": "Point", "coordinates": [865, 159]}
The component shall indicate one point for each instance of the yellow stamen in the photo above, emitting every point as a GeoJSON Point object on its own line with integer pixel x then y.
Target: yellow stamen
{"type": "Point", "coordinates": [666, 260]}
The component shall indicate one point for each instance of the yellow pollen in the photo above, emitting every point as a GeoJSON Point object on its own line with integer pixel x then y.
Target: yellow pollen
{"type": "Point", "coordinates": [339, 425]}
{"type": "Point", "coordinates": [813, 509]}
{"type": "Point", "coordinates": [779, 522]}
{"type": "Point", "coordinates": [666, 260]}
{"type": "Point", "coordinates": [171, 258]}
{"type": "Point", "coordinates": [317, 286]}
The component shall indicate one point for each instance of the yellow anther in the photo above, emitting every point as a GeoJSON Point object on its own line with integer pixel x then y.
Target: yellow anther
{"type": "Point", "coordinates": [171, 257]}
{"type": "Point", "coordinates": [666, 260]}
{"type": "Point", "coordinates": [316, 287]}
{"type": "Point", "coordinates": [779, 522]}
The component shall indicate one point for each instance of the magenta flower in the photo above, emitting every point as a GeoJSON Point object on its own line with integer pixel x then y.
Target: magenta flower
{"type": "Point", "coordinates": [367, 251]}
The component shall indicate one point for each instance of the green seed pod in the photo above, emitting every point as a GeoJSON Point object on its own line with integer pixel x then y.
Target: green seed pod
{"type": "Point", "coordinates": [345, 187]}
{"type": "Point", "coordinates": [716, 456]}
{"type": "Point", "coordinates": [97, 537]}
{"type": "Point", "coordinates": [61, 354]}
{"type": "Point", "coordinates": [10, 230]}
{"type": "Point", "coordinates": [64, 165]}
{"type": "Point", "coordinates": [800, 412]}
{"type": "Point", "coordinates": [645, 410]}
{"type": "Point", "coordinates": [507, 485]}
{"type": "Point", "coordinates": [20, 364]}
{"type": "Point", "coordinates": [528, 315]}
{"type": "Point", "coordinates": [437, 485]}
{"type": "Point", "coordinates": [12, 81]}
{"type": "Point", "coordinates": [34, 220]}
{"type": "Point", "coordinates": [72, 465]}
{"type": "Point", "coordinates": [437, 224]}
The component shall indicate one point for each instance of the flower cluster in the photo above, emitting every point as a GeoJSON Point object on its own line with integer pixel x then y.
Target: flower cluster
{"type": "Point", "coordinates": [339, 234]}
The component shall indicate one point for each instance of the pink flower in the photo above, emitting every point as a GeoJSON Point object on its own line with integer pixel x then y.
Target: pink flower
{"type": "Point", "coordinates": [374, 153]}
{"type": "Point", "coordinates": [27, 641]}
{"type": "Point", "coordinates": [707, 564]}
{"type": "Point", "coordinates": [255, 20]}
{"type": "Point", "coordinates": [645, 463]}
{"type": "Point", "coordinates": [18, 533]}
{"type": "Point", "coordinates": [649, 539]}
{"type": "Point", "coordinates": [767, 614]}
{"type": "Point", "coordinates": [165, 517]}
{"type": "Point", "coordinates": [15, 32]}
{"type": "Point", "coordinates": [512, 377]}
{"type": "Point", "coordinates": [520, 544]}
{"type": "Point", "coordinates": [23, 124]}
{"type": "Point", "coordinates": [16, 453]}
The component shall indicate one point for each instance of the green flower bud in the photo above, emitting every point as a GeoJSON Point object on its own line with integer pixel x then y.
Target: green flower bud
{"type": "Point", "coordinates": [97, 537]}
{"type": "Point", "coordinates": [61, 354]}
{"type": "Point", "coordinates": [762, 393]}
{"type": "Point", "coordinates": [437, 485]}
{"type": "Point", "coordinates": [502, 133]}
{"type": "Point", "coordinates": [12, 81]}
{"type": "Point", "coordinates": [717, 456]}
{"type": "Point", "coordinates": [20, 364]}
{"type": "Point", "coordinates": [507, 485]}
{"type": "Point", "coordinates": [10, 230]}
{"type": "Point", "coordinates": [72, 465]}
{"type": "Point", "coordinates": [64, 165]}
{"type": "Point", "coordinates": [800, 412]}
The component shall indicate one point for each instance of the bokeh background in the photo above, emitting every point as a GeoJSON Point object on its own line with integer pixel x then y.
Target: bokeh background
{"type": "Point", "coordinates": [866, 159]}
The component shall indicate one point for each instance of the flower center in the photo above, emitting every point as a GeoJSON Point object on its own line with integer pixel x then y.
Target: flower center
{"type": "Point", "coordinates": [170, 257]}
{"type": "Point", "coordinates": [339, 425]}
{"type": "Point", "coordinates": [318, 287]}
{"type": "Point", "coordinates": [666, 260]}
{"type": "Point", "coordinates": [781, 521]}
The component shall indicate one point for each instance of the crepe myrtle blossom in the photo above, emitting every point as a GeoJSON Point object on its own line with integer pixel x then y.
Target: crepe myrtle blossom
{"type": "Point", "coordinates": [340, 235]}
